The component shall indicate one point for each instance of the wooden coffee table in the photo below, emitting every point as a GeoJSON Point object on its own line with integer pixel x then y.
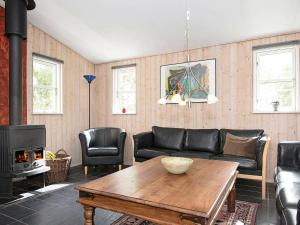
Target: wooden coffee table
{"type": "Point", "coordinates": [149, 192]}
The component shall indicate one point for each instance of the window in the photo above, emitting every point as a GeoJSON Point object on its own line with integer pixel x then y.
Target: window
{"type": "Point", "coordinates": [124, 90]}
{"type": "Point", "coordinates": [47, 85]}
{"type": "Point", "coordinates": [276, 79]}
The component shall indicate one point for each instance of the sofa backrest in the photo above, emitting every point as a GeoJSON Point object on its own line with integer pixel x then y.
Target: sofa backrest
{"type": "Point", "coordinates": [289, 154]}
{"type": "Point", "coordinates": [206, 140]}
{"type": "Point", "coordinates": [171, 138]}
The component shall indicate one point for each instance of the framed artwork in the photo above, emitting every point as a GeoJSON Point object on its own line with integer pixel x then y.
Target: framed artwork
{"type": "Point", "coordinates": [201, 81]}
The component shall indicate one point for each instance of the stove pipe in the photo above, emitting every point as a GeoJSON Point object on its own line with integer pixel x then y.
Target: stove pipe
{"type": "Point", "coordinates": [16, 31]}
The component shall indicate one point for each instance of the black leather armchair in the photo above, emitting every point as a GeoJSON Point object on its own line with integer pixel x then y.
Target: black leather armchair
{"type": "Point", "coordinates": [287, 180]}
{"type": "Point", "coordinates": [102, 146]}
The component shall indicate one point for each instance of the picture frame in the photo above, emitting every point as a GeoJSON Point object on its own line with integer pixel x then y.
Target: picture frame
{"type": "Point", "coordinates": [202, 76]}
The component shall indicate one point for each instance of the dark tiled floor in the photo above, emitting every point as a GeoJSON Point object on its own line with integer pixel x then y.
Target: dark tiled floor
{"type": "Point", "coordinates": [58, 207]}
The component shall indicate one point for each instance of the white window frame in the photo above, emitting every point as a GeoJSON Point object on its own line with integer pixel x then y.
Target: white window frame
{"type": "Point", "coordinates": [59, 84]}
{"type": "Point", "coordinates": [115, 111]}
{"type": "Point", "coordinates": [268, 50]}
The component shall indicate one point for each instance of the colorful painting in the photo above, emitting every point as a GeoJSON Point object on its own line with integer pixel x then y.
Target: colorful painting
{"type": "Point", "coordinates": [197, 81]}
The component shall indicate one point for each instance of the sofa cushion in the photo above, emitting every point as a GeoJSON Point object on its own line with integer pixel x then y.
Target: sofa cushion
{"type": "Point", "coordinates": [170, 138]}
{"type": "Point", "coordinates": [287, 174]}
{"type": "Point", "coordinates": [102, 151]}
{"type": "Point", "coordinates": [149, 153]}
{"type": "Point", "coordinates": [245, 163]}
{"type": "Point", "coordinates": [289, 217]}
{"type": "Point", "coordinates": [206, 140]}
{"type": "Point", "coordinates": [288, 197]}
{"type": "Point", "coordinates": [240, 146]}
{"type": "Point", "coordinates": [282, 185]}
{"type": "Point", "coordinates": [240, 133]}
{"type": "Point", "coordinates": [256, 172]}
{"type": "Point", "coordinates": [193, 154]}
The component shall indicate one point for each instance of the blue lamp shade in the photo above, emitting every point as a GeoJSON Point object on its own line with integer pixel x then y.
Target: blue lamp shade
{"type": "Point", "coordinates": [89, 78]}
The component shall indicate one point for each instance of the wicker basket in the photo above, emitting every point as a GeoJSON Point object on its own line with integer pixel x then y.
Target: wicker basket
{"type": "Point", "coordinates": [59, 167]}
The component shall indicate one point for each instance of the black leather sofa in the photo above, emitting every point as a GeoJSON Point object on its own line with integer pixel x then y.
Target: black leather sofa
{"type": "Point", "coordinates": [287, 180]}
{"type": "Point", "coordinates": [103, 145]}
{"type": "Point", "coordinates": [202, 143]}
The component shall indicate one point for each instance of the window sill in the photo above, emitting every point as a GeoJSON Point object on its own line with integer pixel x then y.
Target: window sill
{"type": "Point", "coordinates": [276, 112]}
{"type": "Point", "coordinates": [47, 114]}
{"type": "Point", "coordinates": [117, 114]}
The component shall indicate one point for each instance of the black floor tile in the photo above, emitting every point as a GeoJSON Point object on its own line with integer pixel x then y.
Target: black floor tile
{"type": "Point", "coordinates": [55, 216]}
{"type": "Point", "coordinates": [249, 191]}
{"type": "Point", "coordinates": [53, 199]}
{"type": "Point", "coordinates": [7, 200]}
{"type": "Point", "coordinates": [78, 219]}
{"type": "Point", "coordinates": [18, 223]}
{"type": "Point", "coordinates": [37, 205]}
{"type": "Point", "coordinates": [6, 220]}
{"type": "Point", "coordinates": [17, 212]}
{"type": "Point", "coordinates": [38, 219]}
{"type": "Point", "coordinates": [68, 192]}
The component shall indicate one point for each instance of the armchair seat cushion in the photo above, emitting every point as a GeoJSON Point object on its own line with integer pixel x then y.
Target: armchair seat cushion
{"type": "Point", "coordinates": [288, 197]}
{"type": "Point", "coordinates": [245, 163]}
{"type": "Point", "coordinates": [103, 151]}
{"type": "Point", "coordinates": [193, 154]}
{"type": "Point", "coordinates": [149, 153]}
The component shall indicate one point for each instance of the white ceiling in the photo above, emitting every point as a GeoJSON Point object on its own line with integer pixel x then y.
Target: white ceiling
{"type": "Point", "coordinates": [109, 30]}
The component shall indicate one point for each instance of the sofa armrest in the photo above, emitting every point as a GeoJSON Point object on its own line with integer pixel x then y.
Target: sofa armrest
{"type": "Point", "coordinates": [142, 140]}
{"type": "Point", "coordinates": [121, 143]}
{"type": "Point", "coordinates": [289, 154]}
{"type": "Point", "coordinates": [267, 140]}
{"type": "Point", "coordinates": [298, 213]}
{"type": "Point", "coordinates": [85, 140]}
{"type": "Point", "coordinates": [260, 151]}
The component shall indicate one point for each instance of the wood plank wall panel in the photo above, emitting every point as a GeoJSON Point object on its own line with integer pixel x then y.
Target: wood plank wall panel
{"type": "Point", "coordinates": [234, 89]}
{"type": "Point", "coordinates": [62, 130]}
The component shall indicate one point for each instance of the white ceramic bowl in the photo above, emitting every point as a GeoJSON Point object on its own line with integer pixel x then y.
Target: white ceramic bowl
{"type": "Point", "coordinates": [177, 165]}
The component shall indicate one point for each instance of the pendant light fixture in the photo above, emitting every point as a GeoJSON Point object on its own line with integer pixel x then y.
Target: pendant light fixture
{"type": "Point", "coordinates": [183, 97]}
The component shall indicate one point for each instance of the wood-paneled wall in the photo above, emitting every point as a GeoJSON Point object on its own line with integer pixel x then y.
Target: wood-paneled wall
{"type": "Point", "coordinates": [234, 89]}
{"type": "Point", "coordinates": [62, 130]}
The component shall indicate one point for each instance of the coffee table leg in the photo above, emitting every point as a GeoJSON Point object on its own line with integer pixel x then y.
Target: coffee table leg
{"type": "Point", "coordinates": [89, 213]}
{"type": "Point", "coordinates": [231, 200]}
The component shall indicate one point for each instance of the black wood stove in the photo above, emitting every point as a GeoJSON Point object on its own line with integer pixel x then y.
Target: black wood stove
{"type": "Point", "coordinates": [21, 154]}
{"type": "Point", "coordinates": [21, 146]}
